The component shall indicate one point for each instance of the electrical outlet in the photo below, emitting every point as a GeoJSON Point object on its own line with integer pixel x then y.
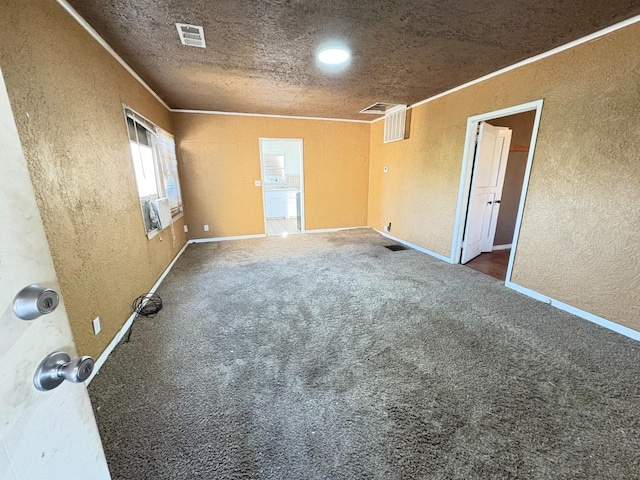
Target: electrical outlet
{"type": "Point", "coordinates": [186, 229]}
{"type": "Point", "coordinates": [96, 326]}
{"type": "Point", "coordinates": [387, 228]}
{"type": "Point", "coordinates": [206, 228]}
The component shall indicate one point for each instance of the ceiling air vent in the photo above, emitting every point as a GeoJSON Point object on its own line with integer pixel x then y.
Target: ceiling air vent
{"type": "Point", "coordinates": [379, 108]}
{"type": "Point", "coordinates": [394, 123]}
{"type": "Point", "coordinates": [192, 35]}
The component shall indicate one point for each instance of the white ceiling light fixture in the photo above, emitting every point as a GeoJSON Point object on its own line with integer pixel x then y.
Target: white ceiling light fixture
{"type": "Point", "coordinates": [334, 55]}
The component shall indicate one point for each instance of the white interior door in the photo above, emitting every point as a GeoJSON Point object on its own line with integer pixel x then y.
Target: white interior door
{"type": "Point", "coordinates": [490, 166]}
{"type": "Point", "coordinates": [49, 434]}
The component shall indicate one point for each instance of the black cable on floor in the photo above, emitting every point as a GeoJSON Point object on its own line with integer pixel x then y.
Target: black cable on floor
{"type": "Point", "coordinates": [147, 305]}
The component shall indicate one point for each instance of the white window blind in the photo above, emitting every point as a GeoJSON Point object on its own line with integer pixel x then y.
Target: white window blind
{"type": "Point", "coordinates": [169, 161]}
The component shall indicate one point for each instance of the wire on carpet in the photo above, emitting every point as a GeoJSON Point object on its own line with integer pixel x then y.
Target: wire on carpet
{"type": "Point", "coordinates": [147, 305]}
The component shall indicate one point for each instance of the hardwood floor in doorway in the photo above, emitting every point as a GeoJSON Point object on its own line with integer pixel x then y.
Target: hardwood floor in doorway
{"type": "Point", "coordinates": [493, 264]}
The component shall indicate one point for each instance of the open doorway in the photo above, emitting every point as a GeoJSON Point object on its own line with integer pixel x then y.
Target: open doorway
{"type": "Point", "coordinates": [282, 185]}
{"type": "Point", "coordinates": [496, 167]}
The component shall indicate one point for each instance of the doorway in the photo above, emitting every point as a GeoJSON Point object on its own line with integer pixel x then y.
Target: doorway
{"type": "Point", "coordinates": [281, 163]}
{"type": "Point", "coordinates": [496, 167]}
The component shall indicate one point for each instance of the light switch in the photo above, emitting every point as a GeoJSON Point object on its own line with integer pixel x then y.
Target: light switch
{"type": "Point", "coordinates": [385, 169]}
{"type": "Point", "coordinates": [96, 326]}
{"type": "Point", "coordinates": [258, 183]}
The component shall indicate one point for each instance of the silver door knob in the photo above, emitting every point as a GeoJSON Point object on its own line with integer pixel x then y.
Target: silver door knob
{"type": "Point", "coordinates": [58, 367]}
{"type": "Point", "coordinates": [33, 301]}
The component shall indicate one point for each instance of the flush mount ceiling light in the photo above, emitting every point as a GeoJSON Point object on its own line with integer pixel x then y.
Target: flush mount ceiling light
{"type": "Point", "coordinates": [333, 55]}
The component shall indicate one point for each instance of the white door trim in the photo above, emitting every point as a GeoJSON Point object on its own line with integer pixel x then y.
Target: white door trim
{"type": "Point", "coordinates": [264, 202]}
{"type": "Point", "coordinates": [467, 173]}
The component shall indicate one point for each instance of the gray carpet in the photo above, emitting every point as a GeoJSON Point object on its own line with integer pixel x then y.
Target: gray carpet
{"type": "Point", "coordinates": [328, 356]}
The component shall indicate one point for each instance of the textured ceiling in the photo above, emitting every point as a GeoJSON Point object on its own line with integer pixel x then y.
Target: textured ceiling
{"type": "Point", "coordinates": [260, 54]}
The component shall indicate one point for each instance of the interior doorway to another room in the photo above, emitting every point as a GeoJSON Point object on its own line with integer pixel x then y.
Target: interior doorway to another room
{"type": "Point", "coordinates": [281, 162]}
{"type": "Point", "coordinates": [494, 180]}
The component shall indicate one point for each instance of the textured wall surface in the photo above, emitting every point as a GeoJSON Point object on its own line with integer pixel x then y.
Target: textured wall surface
{"type": "Point", "coordinates": [67, 94]}
{"type": "Point", "coordinates": [418, 194]}
{"type": "Point", "coordinates": [578, 241]}
{"type": "Point", "coordinates": [510, 200]}
{"type": "Point", "coordinates": [220, 158]}
{"type": "Point", "coordinates": [521, 126]}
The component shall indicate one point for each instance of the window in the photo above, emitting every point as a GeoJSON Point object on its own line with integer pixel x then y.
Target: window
{"type": "Point", "coordinates": [274, 168]}
{"type": "Point", "coordinates": [153, 153]}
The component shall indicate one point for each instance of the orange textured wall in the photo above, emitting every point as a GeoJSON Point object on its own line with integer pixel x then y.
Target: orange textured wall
{"type": "Point", "coordinates": [220, 160]}
{"type": "Point", "coordinates": [67, 93]}
{"type": "Point", "coordinates": [578, 241]}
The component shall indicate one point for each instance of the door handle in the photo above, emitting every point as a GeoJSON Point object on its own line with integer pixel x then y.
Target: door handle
{"type": "Point", "coordinates": [58, 367]}
{"type": "Point", "coordinates": [33, 301]}
{"type": "Point", "coordinates": [498, 201]}
{"type": "Point", "coordinates": [489, 203]}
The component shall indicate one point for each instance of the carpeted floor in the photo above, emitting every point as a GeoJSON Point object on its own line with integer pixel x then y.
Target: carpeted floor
{"type": "Point", "coordinates": [327, 356]}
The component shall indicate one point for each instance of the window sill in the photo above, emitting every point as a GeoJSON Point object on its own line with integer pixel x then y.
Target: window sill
{"type": "Point", "coordinates": [155, 232]}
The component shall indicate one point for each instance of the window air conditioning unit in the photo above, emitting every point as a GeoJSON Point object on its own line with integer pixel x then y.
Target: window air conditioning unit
{"type": "Point", "coordinates": [163, 209]}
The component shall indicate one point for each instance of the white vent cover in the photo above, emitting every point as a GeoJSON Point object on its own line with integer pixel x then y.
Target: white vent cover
{"type": "Point", "coordinates": [394, 121]}
{"type": "Point", "coordinates": [379, 108]}
{"type": "Point", "coordinates": [192, 35]}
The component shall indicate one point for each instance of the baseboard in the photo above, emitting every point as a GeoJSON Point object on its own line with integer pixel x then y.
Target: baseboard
{"type": "Point", "coordinates": [415, 247]}
{"type": "Point", "coordinates": [501, 247]}
{"type": "Point", "coordinates": [224, 239]}
{"type": "Point", "coordinates": [603, 322]}
{"type": "Point", "coordinates": [127, 325]}
{"type": "Point", "coordinates": [330, 230]}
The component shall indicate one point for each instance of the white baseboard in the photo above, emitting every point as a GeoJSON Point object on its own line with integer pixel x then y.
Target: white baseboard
{"type": "Point", "coordinates": [127, 325]}
{"type": "Point", "coordinates": [415, 247]}
{"type": "Point", "coordinates": [501, 247]}
{"type": "Point", "coordinates": [603, 322]}
{"type": "Point", "coordinates": [224, 239]}
{"type": "Point", "coordinates": [330, 230]}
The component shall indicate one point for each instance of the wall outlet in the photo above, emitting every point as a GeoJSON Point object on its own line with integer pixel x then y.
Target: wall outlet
{"type": "Point", "coordinates": [206, 228]}
{"type": "Point", "coordinates": [387, 228]}
{"type": "Point", "coordinates": [96, 326]}
{"type": "Point", "coordinates": [186, 229]}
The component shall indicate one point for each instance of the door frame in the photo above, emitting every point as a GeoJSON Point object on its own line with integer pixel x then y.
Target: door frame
{"type": "Point", "coordinates": [264, 203]}
{"type": "Point", "coordinates": [467, 182]}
